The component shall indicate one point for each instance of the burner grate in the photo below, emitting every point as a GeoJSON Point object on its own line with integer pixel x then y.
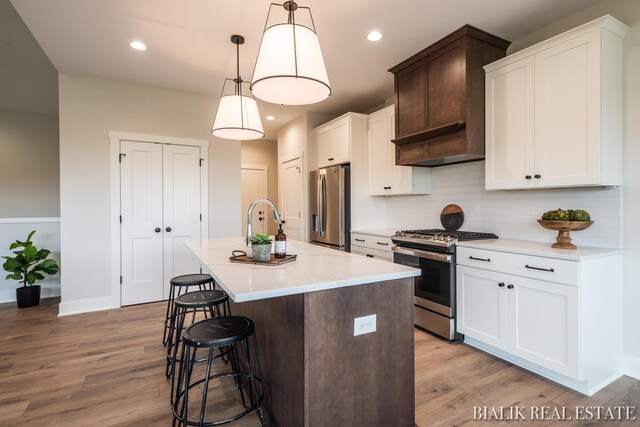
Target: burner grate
{"type": "Point", "coordinates": [460, 235]}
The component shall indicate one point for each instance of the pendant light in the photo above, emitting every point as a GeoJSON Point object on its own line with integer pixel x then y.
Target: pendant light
{"type": "Point", "coordinates": [290, 69]}
{"type": "Point", "coordinates": [237, 116]}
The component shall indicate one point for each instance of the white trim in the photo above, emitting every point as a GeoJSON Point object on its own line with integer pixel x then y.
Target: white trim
{"type": "Point", "coordinates": [114, 221]}
{"type": "Point", "coordinates": [631, 365]}
{"type": "Point", "coordinates": [138, 137]}
{"type": "Point", "coordinates": [29, 220]}
{"type": "Point", "coordinates": [84, 306]}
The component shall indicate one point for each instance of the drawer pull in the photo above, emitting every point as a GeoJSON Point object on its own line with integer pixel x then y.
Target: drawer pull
{"type": "Point", "coordinates": [550, 270]}
{"type": "Point", "coordinates": [359, 240]}
{"type": "Point", "coordinates": [383, 244]}
{"type": "Point", "coordinates": [369, 255]}
{"type": "Point", "coordinates": [480, 259]}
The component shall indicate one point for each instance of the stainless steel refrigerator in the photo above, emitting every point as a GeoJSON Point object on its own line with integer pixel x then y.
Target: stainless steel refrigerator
{"type": "Point", "coordinates": [330, 207]}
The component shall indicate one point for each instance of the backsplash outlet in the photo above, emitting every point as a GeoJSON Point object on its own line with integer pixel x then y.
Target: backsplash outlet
{"type": "Point", "coordinates": [509, 214]}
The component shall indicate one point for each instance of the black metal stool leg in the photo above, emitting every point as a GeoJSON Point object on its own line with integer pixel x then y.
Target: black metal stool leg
{"type": "Point", "coordinates": [166, 318]}
{"type": "Point", "coordinates": [263, 385]}
{"type": "Point", "coordinates": [207, 374]}
{"type": "Point", "coordinates": [255, 399]}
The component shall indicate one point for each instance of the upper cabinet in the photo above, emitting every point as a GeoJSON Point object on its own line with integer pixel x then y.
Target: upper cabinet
{"type": "Point", "coordinates": [440, 99]}
{"type": "Point", "coordinates": [333, 140]}
{"type": "Point", "coordinates": [553, 111]}
{"type": "Point", "coordinates": [385, 178]}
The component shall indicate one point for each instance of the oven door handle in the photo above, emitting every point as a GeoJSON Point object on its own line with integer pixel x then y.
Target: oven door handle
{"type": "Point", "coordinates": [435, 256]}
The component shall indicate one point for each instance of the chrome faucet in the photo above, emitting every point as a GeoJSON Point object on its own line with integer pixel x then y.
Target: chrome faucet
{"type": "Point", "coordinates": [276, 216]}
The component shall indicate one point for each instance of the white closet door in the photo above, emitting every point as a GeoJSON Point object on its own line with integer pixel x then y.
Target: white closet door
{"type": "Point", "coordinates": [141, 205]}
{"type": "Point", "coordinates": [181, 194]}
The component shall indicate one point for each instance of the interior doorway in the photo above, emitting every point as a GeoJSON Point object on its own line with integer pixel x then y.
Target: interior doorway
{"type": "Point", "coordinates": [254, 184]}
{"type": "Point", "coordinates": [292, 203]}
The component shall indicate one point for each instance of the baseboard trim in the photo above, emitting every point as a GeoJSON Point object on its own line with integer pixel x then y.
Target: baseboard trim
{"type": "Point", "coordinates": [632, 366]}
{"type": "Point", "coordinates": [46, 291]}
{"type": "Point", "coordinates": [67, 308]}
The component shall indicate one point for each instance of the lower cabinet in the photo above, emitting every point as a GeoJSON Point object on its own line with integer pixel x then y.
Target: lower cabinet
{"type": "Point", "coordinates": [556, 315]}
{"type": "Point", "coordinates": [372, 246]}
{"type": "Point", "coordinates": [531, 319]}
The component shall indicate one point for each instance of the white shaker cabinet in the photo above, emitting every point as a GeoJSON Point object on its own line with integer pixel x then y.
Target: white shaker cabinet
{"type": "Point", "coordinates": [385, 177]}
{"type": "Point", "coordinates": [333, 140]}
{"type": "Point", "coordinates": [553, 111]}
{"type": "Point", "coordinates": [559, 317]}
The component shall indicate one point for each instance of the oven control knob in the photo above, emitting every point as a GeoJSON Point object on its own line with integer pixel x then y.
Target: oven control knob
{"type": "Point", "coordinates": [449, 238]}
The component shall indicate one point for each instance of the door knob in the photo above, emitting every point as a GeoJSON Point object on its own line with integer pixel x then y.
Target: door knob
{"type": "Point", "coordinates": [158, 229]}
{"type": "Point", "coordinates": [168, 229]}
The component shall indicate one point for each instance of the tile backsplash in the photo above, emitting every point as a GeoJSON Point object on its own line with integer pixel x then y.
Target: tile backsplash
{"type": "Point", "coordinates": [509, 214]}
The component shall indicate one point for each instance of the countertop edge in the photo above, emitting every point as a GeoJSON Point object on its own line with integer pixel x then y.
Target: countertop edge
{"type": "Point", "coordinates": [539, 250]}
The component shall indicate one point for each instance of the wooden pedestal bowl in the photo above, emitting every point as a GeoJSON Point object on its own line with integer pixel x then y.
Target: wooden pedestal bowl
{"type": "Point", "coordinates": [563, 241]}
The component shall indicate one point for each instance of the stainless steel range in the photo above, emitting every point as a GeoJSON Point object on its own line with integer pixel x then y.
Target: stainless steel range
{"type": "Point", "coordinates": [434, 252]}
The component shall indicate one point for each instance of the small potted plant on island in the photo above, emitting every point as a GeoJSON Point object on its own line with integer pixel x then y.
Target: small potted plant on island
{"type": "Point", "coordinates": [28, 266]}
{"type": "Point", "coordinates": [261, 247]}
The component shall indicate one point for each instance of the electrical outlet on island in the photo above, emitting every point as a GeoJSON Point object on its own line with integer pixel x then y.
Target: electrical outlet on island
{"type": "Point", "coordinates": [364, 325]}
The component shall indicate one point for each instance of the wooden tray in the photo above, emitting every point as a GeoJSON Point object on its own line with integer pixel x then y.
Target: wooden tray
{"type": "Point", "coordinates": [274, 261]}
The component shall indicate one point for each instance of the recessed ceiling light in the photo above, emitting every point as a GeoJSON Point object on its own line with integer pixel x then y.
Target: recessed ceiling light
{"type": "Point", "coordinates": [138, 45]}
{"type": "Point", "coordinates": [270, 118]}
{"type": "Point", "coordinates": [374, 36]}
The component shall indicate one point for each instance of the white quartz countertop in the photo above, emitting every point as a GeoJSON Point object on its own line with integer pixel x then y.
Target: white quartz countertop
{"type": "Point", "coordinates": [315, 269]}
{"type": "Point", "coordinates": [381, 232]}
{"type": "Point", "coordinates": [524, 247]}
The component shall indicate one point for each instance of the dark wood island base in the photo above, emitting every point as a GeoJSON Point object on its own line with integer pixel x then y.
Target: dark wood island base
{"type": "Point", "coordinates": [319, 374]}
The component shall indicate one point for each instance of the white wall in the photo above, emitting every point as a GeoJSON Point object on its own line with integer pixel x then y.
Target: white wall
{"type": "Point", "coordinates": [47, 237]}
{"type": "Point", "coordinates": [29, 174]}
{"type": "Point", "coordinates": [89, 109]}
{"type": "Point", "coordinates": [627, 11]}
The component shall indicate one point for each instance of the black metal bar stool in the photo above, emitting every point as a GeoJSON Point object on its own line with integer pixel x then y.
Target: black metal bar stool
{"type": "Point", "coordinates": [214, 302]}
{"type": "Point", "coordinates": [176, 287]}
{"type": "Point", "coordinates": [231, 334]}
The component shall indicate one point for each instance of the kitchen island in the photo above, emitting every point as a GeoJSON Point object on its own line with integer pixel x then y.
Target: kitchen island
{"type": "Point", "coordinates": [318, 372]}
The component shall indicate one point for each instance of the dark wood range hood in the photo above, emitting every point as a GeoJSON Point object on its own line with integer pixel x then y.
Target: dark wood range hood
{"type": "Point", "coordinates": [439, 99]}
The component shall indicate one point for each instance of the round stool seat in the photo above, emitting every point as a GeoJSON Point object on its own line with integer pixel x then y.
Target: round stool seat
{"type": "Point", "coordinates": [191, 280]}
{"type": "Point", "coordinates": [218, 331]}
{"type": "Point", "coordinates": [201, 299]}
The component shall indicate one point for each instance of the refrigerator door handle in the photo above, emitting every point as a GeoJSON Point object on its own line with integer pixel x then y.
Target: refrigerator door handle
{"type": "Point", "coordinates": [323, 208]}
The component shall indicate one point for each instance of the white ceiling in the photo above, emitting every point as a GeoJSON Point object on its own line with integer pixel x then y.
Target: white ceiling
{"type": "Point", "coordinates": [189, 47]}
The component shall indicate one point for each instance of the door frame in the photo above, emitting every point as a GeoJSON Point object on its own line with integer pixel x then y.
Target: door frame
{"type": "Point", "coordinates": [114, 189]}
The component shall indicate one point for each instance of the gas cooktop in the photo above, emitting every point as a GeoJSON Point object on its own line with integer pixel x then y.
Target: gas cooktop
{"type": "Point", "coordinates": [439, 237]}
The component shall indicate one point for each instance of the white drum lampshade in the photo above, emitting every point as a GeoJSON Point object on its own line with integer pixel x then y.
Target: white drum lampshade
{"type": "Point", "coordinates": [290, 68]}
{"type": "Point", "coordinates": [237, 116]}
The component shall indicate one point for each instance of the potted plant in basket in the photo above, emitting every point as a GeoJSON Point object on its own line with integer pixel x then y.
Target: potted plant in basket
{"type": "Point", "coordinates": [261, 247]}
{"type": "Point", "coordinates": [29, 265]}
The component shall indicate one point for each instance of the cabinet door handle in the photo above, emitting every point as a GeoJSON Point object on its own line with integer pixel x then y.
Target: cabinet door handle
{"type": "Point", "coordinates": [537, 176]}
{"type": "Point", "coordinates": [382, 244]}
{"type": "Point", "coordinates": [501, 284]}
{"type": "Point", "coordinates": [158, 229]}
{"type": "Point", "coordinates": [480, 259]}
{"type": "Point", "coordinates": [168, 229]}
{"type": "Point", "coordinates": [330, 159]}
{"type": "Point", "coordinates": [359, 240]}
{"type": "Point", "coordinates": [387, 188]}
{"type": "Point", "coordinates": [527, 177]}
{"type": "Point", "coordinates": [369, 256]}
{"type": "Point", "coordinates": [510, 287]}
{"type": "Point", "coordinates": [550, 270]}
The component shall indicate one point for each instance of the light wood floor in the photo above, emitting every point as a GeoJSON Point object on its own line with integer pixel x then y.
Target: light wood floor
{"type": "Point", "coordinates": [107, 369]}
